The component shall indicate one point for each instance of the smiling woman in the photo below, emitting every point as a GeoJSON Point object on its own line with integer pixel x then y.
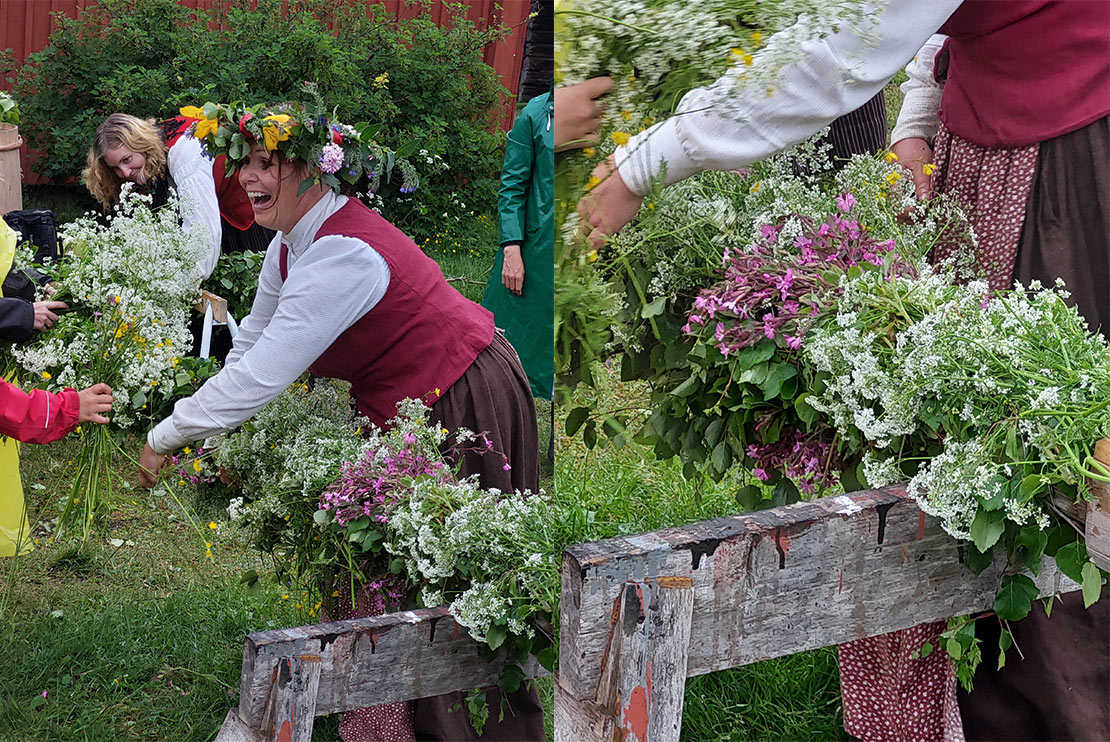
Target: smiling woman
{"type": "Point", "coordinates": [345, 294]}
{"type": "Point", "coordinates": [157, 157]}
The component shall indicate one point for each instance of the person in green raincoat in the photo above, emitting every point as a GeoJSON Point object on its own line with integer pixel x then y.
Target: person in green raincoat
{"type": "Point", "coordinates": [520, 289]}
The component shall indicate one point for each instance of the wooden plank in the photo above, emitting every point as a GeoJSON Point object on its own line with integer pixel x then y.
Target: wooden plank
{"type": "Point", "coordinates": [292, 705]}
{"type": "Point", "coordinates": [645, 670]}
{"type": "Point", "coordinates": [219, 306]}
{"type": "Point", "coordinates": [370, 661]}
{"type": "Point", "coordinates": [1097, 523]}
{"type": "Point", "coordinates": [857, 565]}
{"type": "Point", "coordinates": [235, 730]}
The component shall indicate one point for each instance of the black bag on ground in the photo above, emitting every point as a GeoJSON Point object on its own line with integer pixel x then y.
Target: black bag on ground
{"type": "Point", "coordinates": [40, 228]}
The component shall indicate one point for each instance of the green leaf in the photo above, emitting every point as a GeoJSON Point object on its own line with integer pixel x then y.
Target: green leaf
{"type": "Point", "coordinates": [495, 637]}
{"type": "Point", "coordinates": [1005, 641]}
{"type": "Point", "coordinates": [1032, 541]}
{"type": "Point", "coordinates": [1029, 487]}
{"type": "Point", "coordinates": [546, 658]}
{"type": "Point", "coordinates": [976, 560]}
{"type": "Point", "coordinates": [776, 374]}
{"type": "Point", "coordinates": [653, 309]}
{"type": "Point", "coordinates": [750, 497]}
{"type": "Point", "coordinates": [953, 647]}
{"type": "Point", "coordinates": [926, 650]}
{"type": "Point", "coordinates": [987, 528]}
{"type": "Point", "coordinates": [589, 435]}
{"type": "Point", "coordinates": [1071, 558]}
{"type": "Point", "coordinates": [722, 456]}
{"type": "Point", "coordinates": [1092, 584]}
{"type": "Point", "coordinates": [320, 517]}
{"type": "Point", "coordinates": [805, 413]}
{"type": "Point", "coordinates": [755, 354]}
{"type": "Point", "coordinates": [511, 678]}
{"type": "Point", "coordinates": [406, 149]}
{"type": "Point", "coordinates": [575, 419]}
{"type": "Point", "coordinates": [1015, 598]}
{"type": "Point", "coordinates": [686, 388]}
{"type": "Point", "coordinates": [183, 378]}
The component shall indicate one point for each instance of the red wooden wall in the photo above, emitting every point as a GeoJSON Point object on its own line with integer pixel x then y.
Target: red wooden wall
{"type": "Point", "coordinates": [25, 27]}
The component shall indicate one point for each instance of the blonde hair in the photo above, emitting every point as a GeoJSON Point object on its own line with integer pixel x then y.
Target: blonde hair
{"type": "Point", "coordinates": [122, 130]}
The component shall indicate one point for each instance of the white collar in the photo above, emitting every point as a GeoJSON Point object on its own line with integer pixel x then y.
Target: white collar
{"type": "Point", "coordinates": [304, 231]}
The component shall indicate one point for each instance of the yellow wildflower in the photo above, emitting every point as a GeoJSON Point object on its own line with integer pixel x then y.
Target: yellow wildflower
{"type": "Point", "coordinates": [757, 38]}
{"type": "Point", "coordinates": [381, 80]}
{"type": "Point", "coordinates": [893, 178]}
{"type": "Point", "coordinates": [213, 525]}
{"type": "Point", "coordinates": [626, 115]}
{"type": "Point", "coordinates": [755, 188]}
{"type": "Point", "coordinates": [437, 391]}
{"type": "Point", "coordinates": [591, 256]}
{"type": "Point", "coordinates": [46, 374]}
{"type": "Point", "coordinates": [186, 450]}
{"type": "Point", "coordinates": [891, 157]}
{"type": "Point", "coordinates": [592, 182]}
{"type": "Point", "coordinates": [196, 466]}
{"type": "Point", "coordinates": [278, 131]}
{"type": "Point", "coordinates": [205, 125]}
{"type": "Point", "coordinates": [929, 168]}
{"type": "Point", "coordinates": [589, 151]}
{"type": "Point", "coordinates": [620, 137]}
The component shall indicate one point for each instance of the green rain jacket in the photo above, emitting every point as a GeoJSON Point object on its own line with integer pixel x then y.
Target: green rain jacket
{"type": "Point", "coordinates": [526, 207]}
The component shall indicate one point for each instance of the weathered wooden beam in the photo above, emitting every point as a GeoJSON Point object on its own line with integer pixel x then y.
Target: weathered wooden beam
{"type": "Point", "coordinates": [291, 709]}
{"type": "Point", "coordinates": [235, 729]}
{"type": "Point", "coordinates": [854, 566]}
{"type": "Point", "coordinates": [369, 661]}
{"type": "Point", "coordinates": [1097, 523]}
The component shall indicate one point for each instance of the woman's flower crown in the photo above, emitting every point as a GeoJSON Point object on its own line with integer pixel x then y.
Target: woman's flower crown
{"type": "Point", "coordinates": [335, 152]}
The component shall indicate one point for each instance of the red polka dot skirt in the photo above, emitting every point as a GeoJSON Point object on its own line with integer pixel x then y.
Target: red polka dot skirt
{"type": "Point", "coordinates": [889, 696]}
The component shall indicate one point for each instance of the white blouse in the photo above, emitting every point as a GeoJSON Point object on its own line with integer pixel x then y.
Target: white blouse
{"type": "Point", "coordinates": [332, 282]}
{"type": "Point", "coordinates": [723, 127]}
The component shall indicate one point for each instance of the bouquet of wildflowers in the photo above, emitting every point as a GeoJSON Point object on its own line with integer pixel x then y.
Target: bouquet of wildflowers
{"type": "Point", "coordinates": [655, 51]}
{"type": "Point", "coordinates": [129, 284]}
{"type": "Point", "coordinates": [349, 510]}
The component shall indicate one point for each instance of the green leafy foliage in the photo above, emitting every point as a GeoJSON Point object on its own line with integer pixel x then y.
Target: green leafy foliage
{"type": "Point", "coordinates": [421, 82]}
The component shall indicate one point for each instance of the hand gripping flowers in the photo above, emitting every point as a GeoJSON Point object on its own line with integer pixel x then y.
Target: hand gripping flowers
{"type": "Point", "coordinates": [338, 153]}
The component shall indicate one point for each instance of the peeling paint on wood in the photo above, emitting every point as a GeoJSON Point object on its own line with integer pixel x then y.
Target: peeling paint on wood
{"type": "Point", "coordinates": [367, 661]}
{"type": "Point", "coordinates": [863, 564]}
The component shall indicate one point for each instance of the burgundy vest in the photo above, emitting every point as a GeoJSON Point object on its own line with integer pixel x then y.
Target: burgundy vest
{"type": "Point", "coordinates": [418, 340]}
{"type": "Point", "coordinates": [1024, 71]}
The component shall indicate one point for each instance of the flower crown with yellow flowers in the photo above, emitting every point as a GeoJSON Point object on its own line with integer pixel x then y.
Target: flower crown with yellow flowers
{"type": "Point", "coordinates": [335, 152]}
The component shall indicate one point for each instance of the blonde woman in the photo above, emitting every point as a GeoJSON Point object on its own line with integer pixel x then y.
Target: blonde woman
{"type": "Point", "coordinates": [156, 156]}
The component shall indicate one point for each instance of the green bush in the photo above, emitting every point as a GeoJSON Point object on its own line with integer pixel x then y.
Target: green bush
{"type": "Point", "coordinates": [149, 57]}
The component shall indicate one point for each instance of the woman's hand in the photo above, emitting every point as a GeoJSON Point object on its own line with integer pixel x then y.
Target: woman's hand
{"type": "Point", "coordinates": [578, 113]}
{"type": "Point", "coordinates": [608, 207]}
{"type": "Point", "coordinates": [95, 400]}
{"type": "Point", "coordinates": [914, 154]}
{"type": "Point", "coordinates": [44, 314]}
{"type": "Point", "coordinates": [150, 464]}
{"type": "Point", "coordinates": [512, 268]}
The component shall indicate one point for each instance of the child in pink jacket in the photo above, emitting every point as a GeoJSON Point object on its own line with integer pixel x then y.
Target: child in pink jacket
{"type": "Point", "coordinates": [42, 417]}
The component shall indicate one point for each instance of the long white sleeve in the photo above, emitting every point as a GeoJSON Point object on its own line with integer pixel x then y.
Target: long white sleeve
{"type": "Point", "coordinates": [722, 127]}
{"type": "Point", "coordinates": [191, 173]}
{"type": "Point", "coordinates": [331, 284]}
{"type": "Point", "coordinates": [919, 116]}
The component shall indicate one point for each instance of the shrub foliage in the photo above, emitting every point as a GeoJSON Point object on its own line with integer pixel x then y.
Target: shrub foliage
{"type": "Point", "coordinates": [149, 57]}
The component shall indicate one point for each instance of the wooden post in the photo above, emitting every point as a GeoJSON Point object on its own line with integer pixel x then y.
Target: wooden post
{"type": "Point", "coordinates": [11, 174]}
{"type": "Point", "coordinates": [292, 705]}
{"type": "Point", "coordinates": [1097, 524]}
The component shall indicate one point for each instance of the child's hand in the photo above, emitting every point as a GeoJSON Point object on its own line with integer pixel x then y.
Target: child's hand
{"type": "Point", "coordinates": [95, 400]}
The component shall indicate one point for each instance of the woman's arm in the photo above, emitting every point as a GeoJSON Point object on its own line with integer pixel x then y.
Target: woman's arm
{"type": "Point", "coordinates": [723, 127]}
{"type": "Point", "coordinates": [918, 117]}
{"type": "Point", "coordinates": [191, 172]}
{"type": "Point", "coordinates": [329, 288]}
{"type": "Point", "coordinates": [512, 198]}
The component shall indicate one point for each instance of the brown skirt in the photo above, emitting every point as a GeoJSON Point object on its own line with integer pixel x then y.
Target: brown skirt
{"type": "Point", "coordinates": [1061, 690]}
{"type": "Point", "coordinates": [492, 397]}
